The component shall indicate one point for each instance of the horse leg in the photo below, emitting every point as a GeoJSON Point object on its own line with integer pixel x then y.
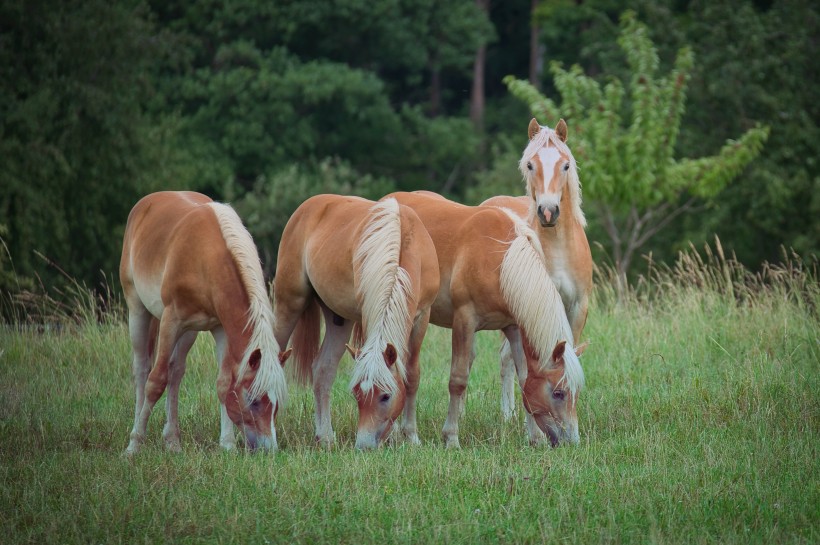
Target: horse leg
{"type": "Point", "coordinates": [513, 334]}
{"type": "Point", "coordinates": [577, 315]}
{"type": "Point", "coordinates": [176, 370]}
{"type": "Point", "coordinates": [507, 381]}
{"type": "Point", "coordinates": [462, 359]}
{"type": "Point", "coordinates": [142, 340]}
{"type": "Point", "coordinates": [227, 433]}
{"type": "Point", "coordinates": [337, 333]}
{"type": "Point", "coordinates": [409, 429]}
{"type": "Point", "coordinates": [158, 377]}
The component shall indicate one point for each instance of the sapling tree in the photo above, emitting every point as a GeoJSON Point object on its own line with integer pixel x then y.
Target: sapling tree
{"type": "Point", "coordinates": [623, 136]}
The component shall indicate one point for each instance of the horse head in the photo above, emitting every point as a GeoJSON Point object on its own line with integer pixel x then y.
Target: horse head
{"type": "Point", "coordinates": [548, 399]}
{"type": "Point", "coordinates": [546, 166]}
{"type": "Point", "coordinates": [254, 415]}
{"type": "Point", "coordinates": [379, 406]}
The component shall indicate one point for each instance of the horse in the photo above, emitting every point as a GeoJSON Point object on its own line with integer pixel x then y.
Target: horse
{"type": "Point", "coordinates": [366, 263]}
{"type": "Point", "coordinates": [493, 277]}
{"type": "Point", "coordinates": [552, 184]}
{"type": "Point", "coordinates": [189, 265]}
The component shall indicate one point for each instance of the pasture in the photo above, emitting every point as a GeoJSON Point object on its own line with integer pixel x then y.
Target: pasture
{"type": "Point", "coordinates": [699, 424]}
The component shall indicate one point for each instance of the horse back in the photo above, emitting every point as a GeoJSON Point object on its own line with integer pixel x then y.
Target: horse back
{"type": "Point", "coordinates": [470, 244]}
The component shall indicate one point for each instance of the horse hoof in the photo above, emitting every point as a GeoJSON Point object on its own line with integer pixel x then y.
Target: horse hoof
{"type": "Point", "coordinates": [539, 441]}
{"type": "Point", "coordinates": [173, 446]}
{"type": "Point", "coordinates": [452, 442]}
{"type": "Point", "coordinates": [227, 446]}
{"type": "Point", "coordinates": [412, 438]}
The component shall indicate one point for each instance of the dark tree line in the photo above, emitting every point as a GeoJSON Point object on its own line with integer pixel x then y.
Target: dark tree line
{"type": "Point", "coordinates": [264, 104]}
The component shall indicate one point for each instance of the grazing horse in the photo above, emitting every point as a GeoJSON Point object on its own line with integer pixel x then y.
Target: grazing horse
{"type": "Point", "coordinates": [359, 262]}
{"type": "Point", "coordinates": [493, 277]}
{"type": "Point", "coordinates": [552, 185]}
{"type": "Point", "coordinates": [189, 265]}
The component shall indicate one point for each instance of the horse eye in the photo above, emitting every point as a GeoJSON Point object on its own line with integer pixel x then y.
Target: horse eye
{"type": "Point", "coordinates": [255, 405]}
{"type": "Point", "coordinates": [384, 398]}
{"type": "Point", "coordinates": [558, 394]}
{"type": "Point", "coordinates": [566, 167]}
{"type": "Point", "coordinates": [529, 165]}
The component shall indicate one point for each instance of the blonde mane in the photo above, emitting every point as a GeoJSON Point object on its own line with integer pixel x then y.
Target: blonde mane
{"type": "Point", "coordinates": [270, 378]}
{"type": "Point", "coordinates": [543, 138]}
{"type": "Point", "coordinates": [535, 302]}
{"type": "Point", "coordinates": [383, 290]}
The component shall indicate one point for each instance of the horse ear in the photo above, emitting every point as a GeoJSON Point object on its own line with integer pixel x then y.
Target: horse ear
{"type": "Point", "coordinates": [561, 130]}
{"type": "Point", "coordinates": [581, 348]}
{"type": "Point", "coordinates": [533, 129]}
{"type": "Point", "coordinates": [390, 355]}
{"type": "Point", "coordinates": [558, 351]}
{"type": "Point", "coordinates": [255, 359]}
{"type": "Point", "coordinates": [284, 355]}
{"type": "Point", "coordinates": [354, 353]}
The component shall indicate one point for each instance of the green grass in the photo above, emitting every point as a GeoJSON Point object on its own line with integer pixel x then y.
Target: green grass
{"type": "Point", "coordinates": [699, 424]}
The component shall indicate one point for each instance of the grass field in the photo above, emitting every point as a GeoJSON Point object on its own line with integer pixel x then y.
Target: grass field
{"type": "Point", "coordinates": [699, 424]}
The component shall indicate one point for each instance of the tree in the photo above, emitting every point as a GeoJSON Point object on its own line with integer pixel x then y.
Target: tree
{"type": "Point", "coordinates": [76, 146]}
{"type": "Point", "coordinates": [629, 171]}
{"type": "Point", "coordinates": [756, 63]}
{"type": "Point", "coordinates": [477, 92]}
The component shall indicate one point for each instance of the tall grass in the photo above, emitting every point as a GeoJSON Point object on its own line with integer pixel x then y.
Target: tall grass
{"type": "Point", "coordinates": [699, 424]}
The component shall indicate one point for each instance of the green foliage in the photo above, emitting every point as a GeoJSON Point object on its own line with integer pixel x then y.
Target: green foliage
{"type": "Point", "coordinates": [101, 103]}
{"type": "Point", "coordinates": [75, 145]}
{"type": "Point", "coordinates": [756, 65]}
{"type": "Point", "coordinates": [624, 136]}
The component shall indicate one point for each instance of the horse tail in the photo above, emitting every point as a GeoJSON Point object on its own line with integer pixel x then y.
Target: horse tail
{"type": "Point", "coordinates": [357, 338]}
{"type": "Point", "coordinates": [306, 343]}
{"type": "Point", "coordinates": [382, 291]}
{"type": "Point", "coordinates": [270, 377]}
{"type": "Point", "coordinates": [534, 300]}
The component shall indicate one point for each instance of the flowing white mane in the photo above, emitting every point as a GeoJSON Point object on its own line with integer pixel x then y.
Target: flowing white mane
{"type": "Point", "coordinates": [535, 302]}
{"type": "Point", "coordinates": [543, 138]}
{"type": "Point", "coordinates": [270, 378]}
{"type": "Point", "coordinates": [383, 291]}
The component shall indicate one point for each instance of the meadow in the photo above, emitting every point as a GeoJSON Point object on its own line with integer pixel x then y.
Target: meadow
{"type": "Point", "coordinates": [699, 424]}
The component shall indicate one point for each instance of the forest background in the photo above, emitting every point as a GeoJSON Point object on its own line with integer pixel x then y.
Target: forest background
{"type": "Point", "coordinates": [263, 104]}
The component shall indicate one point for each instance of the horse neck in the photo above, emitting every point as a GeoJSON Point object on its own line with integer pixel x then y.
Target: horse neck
{"type": "Point", "coordinates": [234, 320]}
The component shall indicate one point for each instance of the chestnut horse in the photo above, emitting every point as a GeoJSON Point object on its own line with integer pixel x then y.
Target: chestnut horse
{"type": "Point", "coordinates": [359, 262]}
{"type": "Point", "coordinates": [189, 265]}
{"type": "Point", "coordinates": [552, 185]}
{"type": "Point", "coordinates": [493, 277]}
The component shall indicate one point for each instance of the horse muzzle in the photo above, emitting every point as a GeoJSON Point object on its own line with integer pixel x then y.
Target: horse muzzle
{"type": "Point", "coordinates": [548, 216]}
{"type": "Point", "coordinates": [371, 439]}
{"type": "Point", "coordinates": [558, 435]}
{"type": "Point", "coordinates": [255, 442]}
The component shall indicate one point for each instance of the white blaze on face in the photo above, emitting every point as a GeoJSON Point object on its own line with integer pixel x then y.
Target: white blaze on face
{"type": "Point", "coordinates": [549, 163]}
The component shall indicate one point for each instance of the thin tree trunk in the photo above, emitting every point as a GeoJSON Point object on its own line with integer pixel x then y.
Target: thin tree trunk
{"type": "Point", "coordinates": [477, 92]}
{"type": "Point", "coordinates": [536, 51]}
